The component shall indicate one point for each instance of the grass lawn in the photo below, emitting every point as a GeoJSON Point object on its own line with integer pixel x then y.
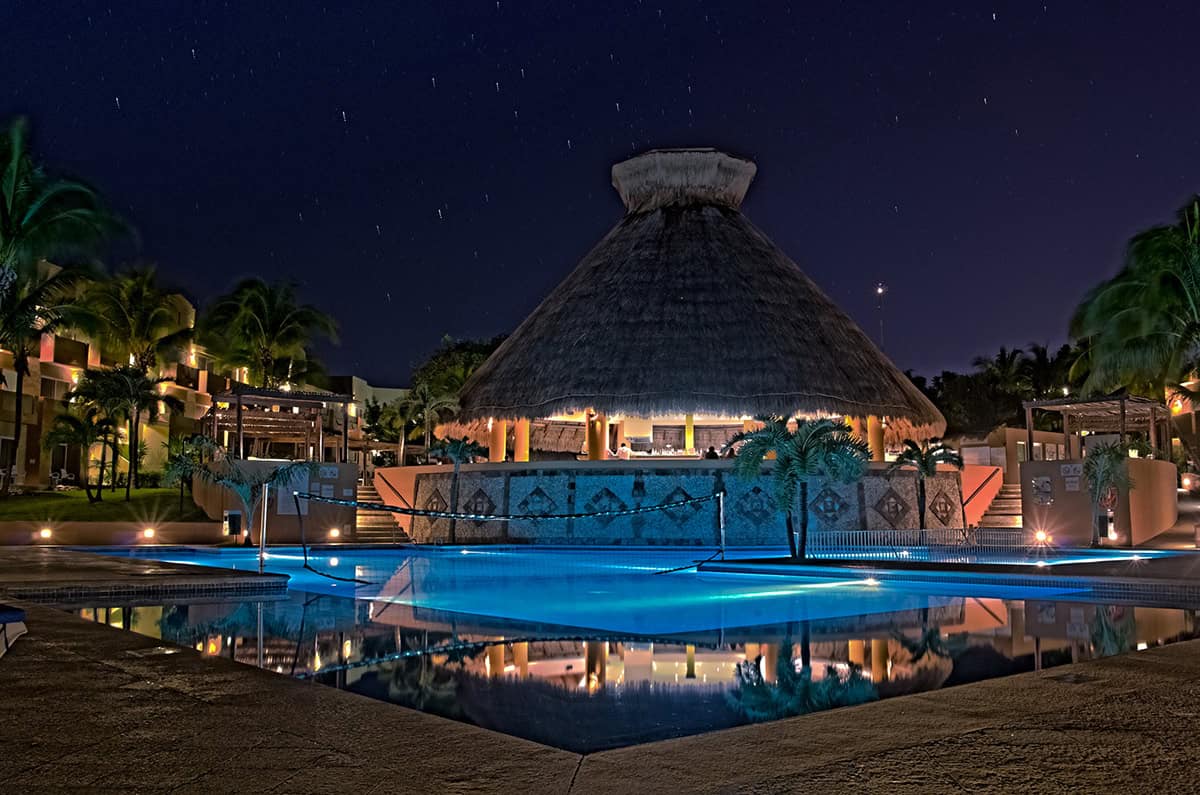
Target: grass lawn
{"type": "Point", "coordinates": [145, 505]}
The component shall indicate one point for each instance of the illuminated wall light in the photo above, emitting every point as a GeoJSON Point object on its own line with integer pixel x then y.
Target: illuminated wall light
{"type": "Point", "coordinates": [334, 532]}
{"type": "Point", "coordinates": [346, 649]}
{"type": "Point", "coordinates": [1040, 536]}
{"type": "Point", "coordinates": [1143, 646]}
{"type": "Point", "coordinates": [148, 532]}
{"type": "Point", "coordinates": [45, 532]}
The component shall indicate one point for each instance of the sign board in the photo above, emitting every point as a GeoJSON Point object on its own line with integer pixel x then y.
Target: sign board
{"type": "Point", "coordinates": [328, 473]}
{"type": "Point", "coordinates": [1071, 483]}
{"type": "Point", "coordinates": [1071, 471]}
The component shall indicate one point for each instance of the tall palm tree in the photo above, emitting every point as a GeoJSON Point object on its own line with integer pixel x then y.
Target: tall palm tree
{"type": "Point", "coordinates": [41, 217]}
{"type": "Point", "coordinates": [925, 458]}
{"type": "Point", "coordinates": [258, 324]}
{"type": "Point", "coordinates": [1142, 327]}
{"type": "Point", "coordinates": [136, 319]}
{"type": "Point", "coordinates": [425, 406]}
{"type": "Point", "coordinates": [248, 483]}
{"type": "Point", "coordinates": [1006, 370]}
{"type": "Point", "coordinates": [815, 449]}
{"type": "Point", "coordinates": [85, 429]}
{"type": "Point", "coordinates": [96, 391]}
{"type": "Point", "coordinates": [458, 452]}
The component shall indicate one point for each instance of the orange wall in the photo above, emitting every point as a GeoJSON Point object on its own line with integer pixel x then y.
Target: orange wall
{"type": "Point", "coordinates": [973, 476]}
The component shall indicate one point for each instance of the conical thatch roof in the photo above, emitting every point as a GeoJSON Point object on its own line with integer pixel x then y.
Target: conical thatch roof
{"type": "Point", "coordinates": [686, 307]}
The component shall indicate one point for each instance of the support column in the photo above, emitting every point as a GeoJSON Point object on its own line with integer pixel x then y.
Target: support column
{"type": "Point", "coordinates": [521, 658]}
{"type": "Point", "coordinates": [1029, 433]}
{"type": "Point", "coordinates": [497, 440]}
{"type": "Point", "coordinates": [689, 432]}
{"type": "Point", "coordinates": [857, 653]}
{"type": "Point", "coordinates": [596, 661]}
{"type": "Point", "coordinates": [690, 670]}
{"type": "Point", "coordinates": [879, 659]}
{"type": "Point", "coordinates": [1066, 435]}
{"type": "Point", "coordinates": [597, 436]}
{"type": "Point", "coordinates": [345, 433]}
{"type": "Point", "coordinates": [495, 660]}
{"type": "Point", "coordinates": [858, 427]}
{"type": "Point", "coordinates": [241, 437]}
{"type": "Point", "coordinates": [521, 440]}
{"type": "Point", "coordinates": [875, 437]}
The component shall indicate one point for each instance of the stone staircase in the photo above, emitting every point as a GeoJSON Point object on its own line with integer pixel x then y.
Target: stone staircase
{"type": "Point", "coordinates": [374, 526]}
{"type": "Point", "coordinates": [1005, 510]}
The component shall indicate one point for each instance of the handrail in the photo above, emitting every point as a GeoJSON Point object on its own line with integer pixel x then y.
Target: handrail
{"type": "Point", "coordinates": [979, 488]}
{"type": "Point", "coordinates": [411, 518]}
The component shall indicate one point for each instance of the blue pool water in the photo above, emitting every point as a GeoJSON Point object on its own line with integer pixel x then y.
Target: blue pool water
{"type": "Point", "coordinates": [587, 649]}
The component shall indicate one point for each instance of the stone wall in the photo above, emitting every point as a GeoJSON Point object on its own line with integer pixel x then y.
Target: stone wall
{"type": "Point", "coordinates": [880, 501]}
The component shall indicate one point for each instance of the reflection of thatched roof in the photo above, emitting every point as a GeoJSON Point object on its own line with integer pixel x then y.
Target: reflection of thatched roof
{"type": "Point", "coordinates": [686, 307]}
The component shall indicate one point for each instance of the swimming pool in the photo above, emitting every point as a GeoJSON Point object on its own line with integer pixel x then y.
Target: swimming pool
{"type": "Point", "coordinates": [590, 649]}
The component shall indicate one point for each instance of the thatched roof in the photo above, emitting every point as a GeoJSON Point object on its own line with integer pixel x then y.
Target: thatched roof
{"type": "Point", "coordinates": [686, 307]}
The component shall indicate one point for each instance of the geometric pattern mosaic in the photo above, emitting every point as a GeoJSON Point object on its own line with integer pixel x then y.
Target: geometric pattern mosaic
{"type": "Point", "coordinates": [436, 502]}
{"type": "Point", "coordinates": [942, 507]}
{"type": "Point", "coordinates": [682, 513]}
{"type": "Point", "coordinates": [892, 507]}
{"type": "Point", "coordinates": [756, 505]}
{"type": "Point", "coordinates": [828, 505]}
{"type": "Point", "coordinates": [604, 500]}
{"type": "Point", "coordinates": [537, 503]}
{"type": "Point", "coordinates": [480, 504]}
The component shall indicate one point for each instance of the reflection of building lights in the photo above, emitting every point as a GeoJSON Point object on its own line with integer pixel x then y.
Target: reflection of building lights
{"type": "Point", "coordinates": [1041, 564]}
{"type": "Point", "coordinates": [333, 562]}
{"type": "Point", "coordinates": [871, 581]}
{"type": "Point", "coordinates": [334, 532]}
{"type": "Point", "coordinates": [1112, 535]}
{"type": "Point", "coordinates": [45, 532]}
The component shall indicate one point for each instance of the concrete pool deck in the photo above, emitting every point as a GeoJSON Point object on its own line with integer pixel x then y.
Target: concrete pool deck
{"type": "Point", "coordinates": [85, 705]}
{"type": "Point", "coordinates": [62, 576]}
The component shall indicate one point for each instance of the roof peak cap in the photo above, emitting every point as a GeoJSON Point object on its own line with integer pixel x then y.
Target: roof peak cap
{"type": "Point", "coordinates": [677, 177]}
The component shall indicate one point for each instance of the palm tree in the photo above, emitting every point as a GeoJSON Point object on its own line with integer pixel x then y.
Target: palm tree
{"type": "Point", "coordinates": [185, 457]}
{"type": "Point", "coordinates": [816, 448]}
{"type": "Point", "coordinates": [1106, 474]}
{"type": "Point", "coordinates": [1142, 327]}
{"type": "Point", "coordinates": [127, 391]}
{"type": "Point", "coordinates": [136, 319]}
{"type": "Point", "coordinates": [258, 324]}
{"type": "Point", "coordinates": [924, 458]}
{"type": "Point", "coordinates": [248, 483]}
{"type": "Point", "coordinates": [425, 406]}
{"type": "Point", "coordinates": [86, 429]}
{"type": "Point", "coordinates": [41, 216]}
{"type": "Point", "coordinates": [458, 451]}
{"type": "Point", "coordinates": [1006, 370]}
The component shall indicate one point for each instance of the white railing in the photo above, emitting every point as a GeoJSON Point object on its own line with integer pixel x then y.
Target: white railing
{"type": "Point", "coordinates": [914, 544]}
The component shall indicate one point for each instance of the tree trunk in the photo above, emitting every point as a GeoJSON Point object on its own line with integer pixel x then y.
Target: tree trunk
{"type": "Point", "coordinates": [129, 456]}
{"type": "Point", "coordinates": [453, 500]}
{"type": "Point", "coordinates": [803, 519]}
{"type": "Point", "coordinates": [400, 455]}
{"type": "Point", "coordinates": [116, 459]}
{"type": "Point", "coordinates": [921, 501]}
{"type": "Point", "coordinates": [100, 472]}
{"type": "Point", "coordinates": [428, 434]}
{"type": "Point", "coordinates": [137, 448]}
{"type": "Point", "coordinates": [19, 366]}
{"type": "Point", "coordinates": [791, 534]}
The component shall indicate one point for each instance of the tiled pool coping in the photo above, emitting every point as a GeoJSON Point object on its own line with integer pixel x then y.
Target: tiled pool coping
{"type": "Point", "coordinates": [64, 577]}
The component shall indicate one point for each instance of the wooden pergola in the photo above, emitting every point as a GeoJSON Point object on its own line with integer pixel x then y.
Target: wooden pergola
{"type": "Point", "coordinates": [1118, 414]}
{"type": "Point", "coordinates": [278, 415]}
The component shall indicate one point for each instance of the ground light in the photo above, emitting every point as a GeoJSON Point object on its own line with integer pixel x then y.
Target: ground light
{"type": "Point", "coordinates": [45, 533]}
{"type": "Point", "coordinates": [148, 533]}
{"type": "Point", "coordinates": [334, 532]}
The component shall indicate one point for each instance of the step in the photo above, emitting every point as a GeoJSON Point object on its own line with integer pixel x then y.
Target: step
{"type": "Point", "coordinates": [1005, 505]}
{"type": "Point", "coordinates": [1000, 521]}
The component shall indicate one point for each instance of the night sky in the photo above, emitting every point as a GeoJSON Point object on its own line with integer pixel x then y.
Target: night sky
{"type": "Point", "coordinates": [438, 168]}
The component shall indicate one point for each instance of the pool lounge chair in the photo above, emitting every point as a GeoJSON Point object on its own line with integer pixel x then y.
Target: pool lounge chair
{"type": "Point", "coordinates": [12, 626]}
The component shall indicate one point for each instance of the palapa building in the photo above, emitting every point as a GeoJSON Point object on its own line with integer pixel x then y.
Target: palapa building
{"type": "Point", "coordinates": [679, 326]}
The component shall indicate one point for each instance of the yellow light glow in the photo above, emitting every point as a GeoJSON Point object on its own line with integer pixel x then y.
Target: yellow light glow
{"type": "Point", "coordinates": [333, 562]}
{"type": "Point", "coordinates": [45, 532]}
{"type": "Point", "coordinates": [334, 532]}
{"type": "Point", "coordinates": [148, 532]}
{"type": "Point", "coordinates": [1187, 483]}
{"type": "Point", "coordinates": [1177, 405]}
{"type": "Point", "coordinates": [1040, 536]}
{"type": "Point", "coordinates": [346, 649]}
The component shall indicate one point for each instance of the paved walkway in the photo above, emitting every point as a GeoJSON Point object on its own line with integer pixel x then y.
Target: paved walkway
{"type": "Point", "coordinates": [85, 705]}
{"type": "Point", "coordinates": [51, 574]}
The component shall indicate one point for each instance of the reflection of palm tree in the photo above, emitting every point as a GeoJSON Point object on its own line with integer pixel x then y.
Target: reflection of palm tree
{"type": "Point", "coordinates": [419, 684]}
{"type": "Point", "coordinates": [795, 692]}
{"type": "Point", "coordinates": [1108, 636]}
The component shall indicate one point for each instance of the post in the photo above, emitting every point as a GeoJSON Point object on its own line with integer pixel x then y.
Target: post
{"type": "Point", "coordinates": [321, 434]}
{"type": "Point", "coordinates": [241, 439]}
{"type": "Point", "coordinates": [262, 530]}
{"type": "Point", "coordinates": [597, 431]}
{"type": "Point", "coordinates": [721, 520]}
{"type": "Point", "coordinates": [1066, 435]}
{"type": "Point", "coordinates": [689, 432]}
{"type": "Point", "coordinates": [345, 433]}
{"type": "Point", "coordinates": [875, 437]}
{"type": "Point", "coordinates": [1122, 421]}
{"type": "Point", "coordinates": [497, 440]}
{"type": "Point", "coordinates": [521, 440]}
{"type": "Point", "coordinates": [1029, 433]}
